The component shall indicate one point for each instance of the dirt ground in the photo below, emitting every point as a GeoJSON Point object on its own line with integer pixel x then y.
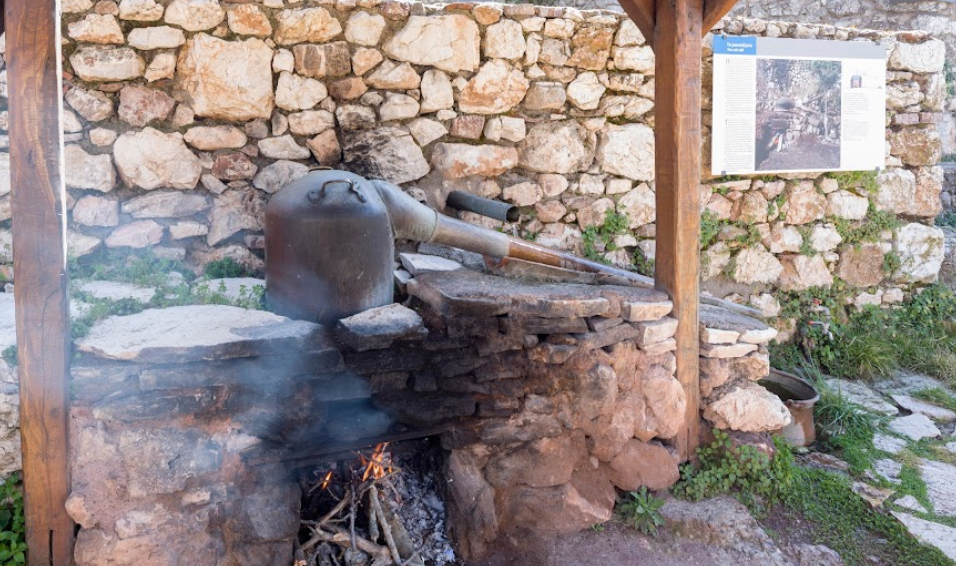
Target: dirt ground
{"type": "Point", "coordinates": [617, 545]}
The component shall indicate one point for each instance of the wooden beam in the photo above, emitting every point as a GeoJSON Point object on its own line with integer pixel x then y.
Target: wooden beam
{"type": "Point", "coordinates": [641, 12]}
{"type": "Point", "coordinates": [677, 43]}
{"type": "Point", "coordinates": [714, 10]}
{"type": "Point", "coordinates": [39, 263]}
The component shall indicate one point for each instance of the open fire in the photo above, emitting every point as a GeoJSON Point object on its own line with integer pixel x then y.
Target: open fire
{"type": "Point", "coordinates": [370, 511]}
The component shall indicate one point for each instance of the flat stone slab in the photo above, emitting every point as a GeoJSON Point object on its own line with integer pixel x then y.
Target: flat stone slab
{"type": "Point", "coordinates": [923, 408]}
{"type": "Point", "coordinates": [908, 383]}
{"type": "Point", "coordinates": [862, 395]}
{"type": "Point", "coordinates": [751, 330]}
{"type": "Point", "coordinates": [888, 444]}
{"type": "Point", "coordinates": [940, 480]}
{"type": "Point", "coordinates": [888, 470]}
{"type": "Point", "coordinates": [911, 503]}
{"type": "Point", "coordinates": [928, 532]}
{"type": "Point", "coordinates": [378, 328]}
{"type": "Point", "coordinates": [420, 264]}
{"type": "Point", "coordinates": [116, 291]}
{"type": "Point", "coordinates": [232, 287]}
{"type": "Point", "coordinates": [915, 427]}
{"type": "Point", "coordinates": [195, 333]}
{"type": "Point", "coordinates": [466, 293]}
{"type": "Point", "coordinates": [8, 322]}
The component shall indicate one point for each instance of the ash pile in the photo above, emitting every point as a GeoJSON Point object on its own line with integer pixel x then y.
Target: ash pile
{"type": "Point", "coordinates": [377, 509]}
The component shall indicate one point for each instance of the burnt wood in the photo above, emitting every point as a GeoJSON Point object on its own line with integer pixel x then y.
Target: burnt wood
{"type": "Point", "coordinates": [677, 41]}
{"type": "Point", "coordinates": [39, 261]}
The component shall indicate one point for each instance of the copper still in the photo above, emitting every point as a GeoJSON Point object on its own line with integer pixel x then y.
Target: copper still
{"type": "Point", "coordinates": [330, 246]}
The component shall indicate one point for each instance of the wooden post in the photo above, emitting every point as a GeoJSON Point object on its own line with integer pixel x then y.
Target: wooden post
{"type": "Point", "coordinates": [677, 47]}
{"type": "Point", "coordinates": [39, 263]}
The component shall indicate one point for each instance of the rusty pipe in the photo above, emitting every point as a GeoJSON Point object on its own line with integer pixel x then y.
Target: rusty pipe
{"type": "Point", "coordinates": [412, 220]}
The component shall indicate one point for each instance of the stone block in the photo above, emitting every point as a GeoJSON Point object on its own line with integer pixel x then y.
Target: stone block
{"type": "Point", "coordinates": [656, 331]}
{"type": "Point", "coordinates": [643, 464]}
{"type": "Point", "coordinates": [379, 327]}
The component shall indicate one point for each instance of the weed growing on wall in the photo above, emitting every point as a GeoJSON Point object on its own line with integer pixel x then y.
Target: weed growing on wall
{"type": "Point", "coordinates": [869, 230]}
{"type": "Point", "coordinates": [596, 238]}
{"type": "Point", "coordinates": [866, 180]}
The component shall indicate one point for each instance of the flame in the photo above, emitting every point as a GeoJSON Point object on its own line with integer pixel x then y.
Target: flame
{"type": "Point", "coordinates": [375, 466]}
{"type": "Point", "coordinates": [325, 482]}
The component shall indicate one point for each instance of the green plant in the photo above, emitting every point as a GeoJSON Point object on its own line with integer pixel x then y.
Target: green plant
{"type": "Point", "coordinates": [221, 268]}
{"type": "Point", "coordinates": [867, 180]}
{"type": "Point", "coordinates": [643, 264]}
{"type": "Point", "coordinates": [937, 396]}
{"type": "Point", "coordinates": [13, 545]}
{"type": "Point", "coordinates": [834, 515]}
{"type": "Point", "coordinates": [891, 263]}
{"type": "Point", "coordinates": [868, 230]}
{"type": "Point", "coordinates": [9, 355]}
{"type": "Point", "coordinates": [724, 467]}
{"type": "Point", "coordinates": [844, 426]}
{"type": "Point", "coordinates": [947, 218]}
{"type": "Point", "coordinates": [641, 511]}
{"type": "Point", "coordinates": [709, 229]}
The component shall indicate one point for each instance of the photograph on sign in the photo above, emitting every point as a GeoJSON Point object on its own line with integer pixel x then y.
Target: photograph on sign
{"type": "Point", "coordinates": [787, 105]}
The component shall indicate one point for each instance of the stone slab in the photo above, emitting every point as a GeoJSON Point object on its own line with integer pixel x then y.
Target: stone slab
{"type": "Point", "coordinates": [419, 264]}
{"type": "Point", "coordinates": [915, 427]}
{"type": "Point", "coordinates": [862, 395]}
{"type": "Point", "coordinates": [911, 503]}
{"type": "Point", "coordinates": [194, 333]}
{"type": "Point", "coordinates": [466, 293]}
{"type": "Point", "coordinates": [940, 480]}
{"type": "Point", "coordinates": [928, 532]}
{"type": "Point", "coordinates": [378, 328]}
{"type": "Point", "coordinates": [930, 410]}
{"type": "Point", "coordinates": [908, 383]}
{"type": "Point", "coordinates": [874, 496]}
{"type": "Point", "coordinates": [888, 444]}
{"type": "Point", "coordinates": [888, 470]}
{"type": "Point", "coordinates": [751, 330]}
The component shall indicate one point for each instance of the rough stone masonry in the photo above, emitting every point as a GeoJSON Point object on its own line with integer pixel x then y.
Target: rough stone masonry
{"type": "Point", "coordinates": [550, 396]}
{"type": "Point", "coordinates": [183, 117]}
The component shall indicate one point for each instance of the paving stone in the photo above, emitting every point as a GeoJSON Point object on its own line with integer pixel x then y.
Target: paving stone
{"type": "Point", "coordinates": [379, 327]}
{"type": "Point", "coordinates": [940, 479]}
{"type": "Point", "coordinates": [915, 427]}
{"type": "Point", "coordinates": [911, 503]}
{"type": "Point", "coordinates": [923, 408]}
{"type": "Point", "coordinates": [888, 470]}
{"type": "Point", "coordinates": [933, 534]}
{"type": "Point", "coordinates": [889, 444]}
{"type": "Point", "coordinates": [862, 395]}
{"type": "Point", "coordinates": [908, 383]}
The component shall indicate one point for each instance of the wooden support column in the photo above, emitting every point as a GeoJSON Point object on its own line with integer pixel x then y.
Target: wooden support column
{"type": "Point", "coordinates": [677, 47]}
{"type": "Point", "coordinates": [39, 262]}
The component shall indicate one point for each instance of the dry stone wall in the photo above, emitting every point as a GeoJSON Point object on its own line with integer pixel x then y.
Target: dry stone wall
{"type": "Point", "coordinates": [548, 398]}
{"type": "Point", "coordinates": [183, 117]}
